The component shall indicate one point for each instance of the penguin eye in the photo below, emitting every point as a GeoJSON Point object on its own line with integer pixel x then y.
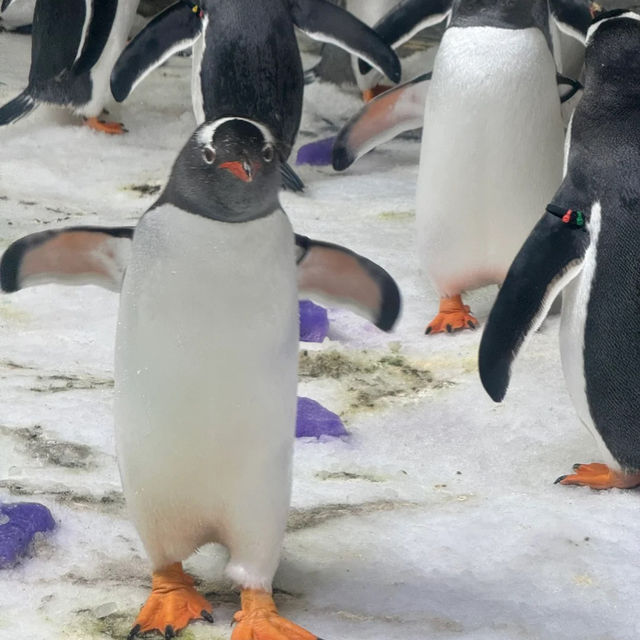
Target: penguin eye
{"type": "Point", "coordinates": [209, 154]}
{"type": "Point", "coordinates": [268, 152]}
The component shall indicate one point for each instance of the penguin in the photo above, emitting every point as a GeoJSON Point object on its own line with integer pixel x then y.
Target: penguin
{"type": "Point", "coordinates": [206, 361]}
{"type": "Point", "coordinates": [246, 60]}
{"type": "Point", "coordinates": [401, 108]}
{"type": "Point", "coordinates": [492, 108]}
{"type": "Point", "coordinates": [18, 18]}
{"type": "Point", "coordinates": [74, 47]}
{"type": "Point", "coordinates": [587, 247]}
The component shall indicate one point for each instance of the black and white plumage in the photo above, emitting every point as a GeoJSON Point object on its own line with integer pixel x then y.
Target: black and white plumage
{"type": "Point", "coordinates": [591, 254]}
{"type": "Point", "coordinates": [74, 47]}
{"type": "Point", "coordinates": [246, 60]}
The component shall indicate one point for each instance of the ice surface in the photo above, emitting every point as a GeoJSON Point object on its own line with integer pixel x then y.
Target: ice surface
{"type": "Point", "coordinates": [437, 518]}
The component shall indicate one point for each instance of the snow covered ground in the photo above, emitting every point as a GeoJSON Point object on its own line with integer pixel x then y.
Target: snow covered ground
{"type": "Point", "coordinates": [436, 518]}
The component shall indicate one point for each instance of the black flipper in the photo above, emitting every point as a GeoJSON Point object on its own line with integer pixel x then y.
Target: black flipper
{"type": "Point", "coordinates": [104, 13]}
{"type": "Point", "coordinates": [6, 4]}
{"type": "Point", "coordinates": [173, 30]}
{"type": "Point", "coordinates": [291, 181]}
{"type": "Point", "coordinates": [406, 19]}
{"type": "Point", "coordinates": [76, 255]}
{"type": "Point", "coordinates": [573, 17]}
{"type": "Point", "coordinates": [332, 274]}
{"type": "Point", "coordinates": [326, 22]}
{"type": "Point", "coordinates": [17, 108]}
{"type": "Point", "coordinates": [574, 87]}
{"type": "Point", "coordinates": [383, 118]}
{"type": "Point", "coordinates": [550, 258]}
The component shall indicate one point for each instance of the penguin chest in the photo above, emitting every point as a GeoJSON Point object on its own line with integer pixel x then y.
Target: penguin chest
{"type": "Point", "coordinates": [491, 153]}
{"type": "Point", "coordinates": [206, 357]}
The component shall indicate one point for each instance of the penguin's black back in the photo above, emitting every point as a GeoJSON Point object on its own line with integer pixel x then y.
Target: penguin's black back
{"type": "Point", "coordinates": [251, 66]}
{"type": "Point", "coordinates": [604, 166]}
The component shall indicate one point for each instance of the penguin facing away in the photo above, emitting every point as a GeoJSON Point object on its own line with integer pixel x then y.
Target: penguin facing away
{"type": "Point", "coordinates": [588, 246]}
{"type": "Point", "coordinates": [74, 46]}
{"type": "Point", "coordinates": [206, 361]}
{"type": "Point", "coordinates": [401, 108]}
{"type": "Point", "coordinates": [246, 60]}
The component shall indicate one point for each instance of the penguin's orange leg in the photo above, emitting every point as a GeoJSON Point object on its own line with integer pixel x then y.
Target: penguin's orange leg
{"type": "Point", "coordinates": [112, 128]}
{"type": "Point", "coordinates": [452, 316]}
{"type": "Point", "coordinates": [259, 620]}
{"type": "Point", "coordinates": [600, 476]}
{"type": "Point", "coordinates": [369, 94]}
{"type": "Point", "coordinates": [173, 603]}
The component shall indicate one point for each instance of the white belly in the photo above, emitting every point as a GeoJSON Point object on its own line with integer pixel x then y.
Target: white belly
{"type": "Point", "coordinates": [101, 72]}
{"type": "Point", "coordinates": [491, 154]}
{"type": "Point", "coordinates": [575, 299]}
{"type": "Point", "coordinates": [205, 406]}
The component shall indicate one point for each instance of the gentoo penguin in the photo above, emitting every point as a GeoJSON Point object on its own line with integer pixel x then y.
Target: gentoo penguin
{"type": "Point", "coordinates": [246, 60]}
{"type": "Point", "coordinates": [587, 246]}
{"type": "Point", "coordinates": [491, 152]}
{"type": "Point", "coordinates": [402, 108]}
{"type": "Point", "coordinates": [206, 360]}
{"type": "Point", "coordinates": [74, 46]}
{"type": "Point", "coordinates": [18, 17]}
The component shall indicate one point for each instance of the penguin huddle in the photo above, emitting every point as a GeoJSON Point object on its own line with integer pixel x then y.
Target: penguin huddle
{"type": "Point", "coordinates": [217, 251]}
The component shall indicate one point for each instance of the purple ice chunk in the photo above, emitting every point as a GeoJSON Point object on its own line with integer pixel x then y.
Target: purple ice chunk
{"type": "Point", "coordinates": [19, 522]}
{"type": "Point", "coordinates": [314, 322]}
{"type": "Point", "coordinates": [314, 420]}
{"type": "Point", "coordinates": [316, 153]}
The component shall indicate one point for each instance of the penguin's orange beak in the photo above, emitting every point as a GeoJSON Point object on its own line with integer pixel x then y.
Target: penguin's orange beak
{"type": "Point", "coordinates": [242, 170]}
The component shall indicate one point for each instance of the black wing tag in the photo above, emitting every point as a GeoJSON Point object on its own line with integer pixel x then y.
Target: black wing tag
{"type": "Point", "coordinates": [336, 276]}
{"type": "Point", "coordinates": [78, 255]}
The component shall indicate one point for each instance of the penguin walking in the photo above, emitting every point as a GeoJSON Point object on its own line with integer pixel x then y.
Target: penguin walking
{"type": "Point", "coordinates": [246, 60]}
{"type": "Point", "coordinates": [587, 245]}
{"type": "Point", "coordinates": [206, 361]}
{"type": "Point", "coordinates": [74, 46]}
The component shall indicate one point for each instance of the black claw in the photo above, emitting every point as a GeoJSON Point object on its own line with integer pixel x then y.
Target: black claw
{"type": "Point", "coordinates": [449, 329]}
{"type": "Point", "coordinates": [206, 616]}
{"type": "Point", "coordinates": [576, 466]}
{"type": "Point", "coordinates": [134, 632]}
{"type": "Point", "coordinates": [471, 325]}
{"type": "Point", "coordinates": [559, 480]}
{"type": "Point", "coordinates": [169, 632]}
{"type": "Point", "coordinates": [427, 330]}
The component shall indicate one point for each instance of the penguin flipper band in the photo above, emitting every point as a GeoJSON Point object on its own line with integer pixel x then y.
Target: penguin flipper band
{"type": "Point", "coordinates": [390, 114]}
{"type": "Point", "coordinates": [339, 277]}
{"type": "Point", "coordinates": [327, 22]}
{"type": "Point", "coordinates": [77, 255]}
{"type": "Point", "coordinates": [171, 31]}
{"type": "Point", "coordinates": [548, 260]}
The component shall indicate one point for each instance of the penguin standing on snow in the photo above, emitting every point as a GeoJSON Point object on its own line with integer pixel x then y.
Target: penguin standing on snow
{"type": "Point", "coordinates": [587, 245]}
{"type": "Point", "coordinates": [74, 46]}
{"type": "Point", "coordinates": [206, 361]}
{"type": "Point", "coordinates": [246, 60]}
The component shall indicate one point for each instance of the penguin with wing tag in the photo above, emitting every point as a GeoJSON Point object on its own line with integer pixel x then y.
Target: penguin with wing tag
{"type": "Point", "coordinates": [587, 245]}
{"type": "Point", "coordinates": [206, 361]}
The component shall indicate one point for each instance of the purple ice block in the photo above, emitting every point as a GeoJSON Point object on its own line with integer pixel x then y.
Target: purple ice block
{"type": "Point", "coordinates": [314, 322]}
{"type": "Point", "coordinates": [318, 153]}
{"type": "Point", "coordinates": [19, 522]}
{"type": "Point", "coordinates": [314, 420]}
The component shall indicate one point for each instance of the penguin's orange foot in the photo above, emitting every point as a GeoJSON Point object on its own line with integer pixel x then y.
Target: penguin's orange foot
{"type": "Point", "coordinates": [259, 620]}
{"type": "Point", "coordinates": [600, 476]}
{"type": "Point", "coordinates": [173, 603]}
{"type": "Point", "coordinates": [369, 94]}
{"type": "Point", "coordinates": [452, 316]}
{"type": "Point", "coordinates": [111, 128]}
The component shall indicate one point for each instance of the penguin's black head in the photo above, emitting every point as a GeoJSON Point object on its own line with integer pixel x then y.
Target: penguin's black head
{"type": "Point", "coordinates": [613, 49]}
{"type": "Point", "coordinates": [229, 170]}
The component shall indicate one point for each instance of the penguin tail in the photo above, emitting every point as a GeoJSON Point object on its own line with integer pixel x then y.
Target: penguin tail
{"type": "Point", "coordinates": [291, 181]}
{"type": "Point", "coordinates": [17, 108]}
